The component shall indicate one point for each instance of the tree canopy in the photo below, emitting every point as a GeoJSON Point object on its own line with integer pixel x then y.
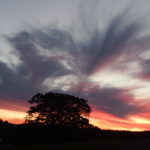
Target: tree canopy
{"type": "Point", "coordinates": [59, 109]}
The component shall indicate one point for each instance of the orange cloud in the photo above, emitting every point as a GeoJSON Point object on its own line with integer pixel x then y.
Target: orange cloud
{"type": "Point", "coordinates": [136, 122]}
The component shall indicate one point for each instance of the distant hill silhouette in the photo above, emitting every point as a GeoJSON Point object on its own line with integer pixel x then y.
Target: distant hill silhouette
{"type": "Point", "coordinates": [36, 134]}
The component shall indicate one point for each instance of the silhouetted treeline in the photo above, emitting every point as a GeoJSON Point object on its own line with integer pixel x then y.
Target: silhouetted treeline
{"type": "Point", "coordinates": [30, 134]}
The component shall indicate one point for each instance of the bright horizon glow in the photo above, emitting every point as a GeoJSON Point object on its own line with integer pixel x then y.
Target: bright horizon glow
{"type": "Point", "coordinates": [12, 116]}
{"type": "Point", "coordinates": [109, 122]}
{"type": "Point", "coordinates": [98, 118]}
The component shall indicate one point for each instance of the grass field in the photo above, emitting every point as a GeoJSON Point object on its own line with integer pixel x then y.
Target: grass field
{"type": "Point", "coordinates": [89, 145]}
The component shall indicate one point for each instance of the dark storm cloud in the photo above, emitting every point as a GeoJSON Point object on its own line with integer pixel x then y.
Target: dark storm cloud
{"type": "Point", "coordinates": [30, 75]}
{"type": "Point", "coordinates": [13, 86]}
{"type": "Point", "coordinates": [39, 66]}
{"type": "Point", "coordinates": [115, 101]}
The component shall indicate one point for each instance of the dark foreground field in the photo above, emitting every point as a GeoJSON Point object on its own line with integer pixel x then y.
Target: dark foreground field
{"type": "Point", "coordinates": [88, 145]}
{"type": "Point", "coordinates": [37, 137]}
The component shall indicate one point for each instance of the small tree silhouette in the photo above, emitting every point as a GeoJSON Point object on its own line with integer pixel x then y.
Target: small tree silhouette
{"type": "Point", "coordinates": [59, 110]}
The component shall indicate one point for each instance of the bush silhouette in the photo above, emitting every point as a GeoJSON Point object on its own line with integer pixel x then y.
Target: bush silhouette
{"type": "Point", "coordinates": [59, 110]}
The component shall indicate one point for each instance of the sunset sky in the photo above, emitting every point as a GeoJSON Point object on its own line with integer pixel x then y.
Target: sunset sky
{"type": "Point", "coordinates": [95, 49]}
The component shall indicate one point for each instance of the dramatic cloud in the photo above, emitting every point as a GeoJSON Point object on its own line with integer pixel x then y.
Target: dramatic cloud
{"type": "Point", "coordinates": [108, 46]}
{"type": "Point", "coordinates": [52, 58]}
{"type": "Point", "coordinates": [118, 102]}
{"type": "Point", "coordinates": [13, 85]}
{"type": "Point", "coordinates": [51, 52]}
{"type": "Point", "coordinates": [34, 69]}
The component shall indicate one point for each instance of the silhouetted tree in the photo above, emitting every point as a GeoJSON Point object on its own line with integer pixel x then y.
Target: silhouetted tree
{"type": "Point", "coordinates": [59, 109]}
